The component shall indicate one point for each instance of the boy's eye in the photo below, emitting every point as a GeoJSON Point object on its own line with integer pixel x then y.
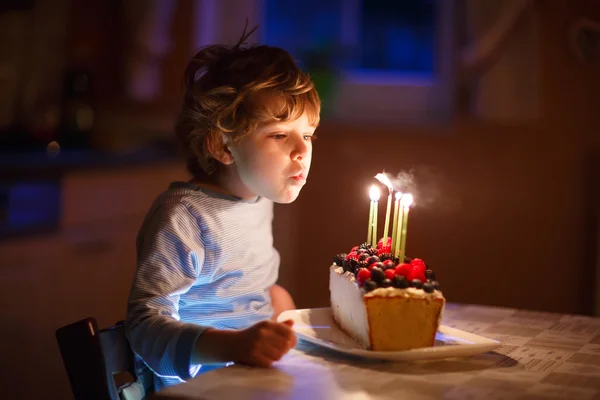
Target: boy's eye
{"type": "Point", "coordinates": [278, 136]}
{"type": "Point", "coordinates": [310, 137]}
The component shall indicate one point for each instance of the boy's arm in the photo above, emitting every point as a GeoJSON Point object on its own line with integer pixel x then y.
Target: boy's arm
{"type": "Point", "coordinates": [170, 257]}
{"type": "Point", "coordinates": [281, 300]}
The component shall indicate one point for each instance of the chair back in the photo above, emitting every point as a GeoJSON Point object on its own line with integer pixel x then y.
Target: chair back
{"type": "Point", "coordinates": [99, 362]}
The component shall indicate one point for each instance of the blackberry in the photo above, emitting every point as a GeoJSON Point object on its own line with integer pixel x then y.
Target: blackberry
{"type": "Point", "coordinates": [350, 265]}
{"type": "Point", "coordinates": [364, 246]}
{"type": "Point", "coordinates": [407, 259]}
{"type": "Point", "coordinates": [372, 251]}
{"type": "Point", "coordinates": [363, 257]}
{"type": "Point", "coordinates": [436, 285]}
{"type": "Point", "coordinates": [386, 256]}
{"type": "Point", "coordinates": [429, 274]}
{"type": "Point", "coordinates": [387, 283]}
{"type": "Point", "coordinates": [399, 282]}
{"type": "Point", "coordinates": [369, 285]}
{"type": "Point", "coordinates": [396, 260]}
{"type": "Point", "coordinates": [339, 259]}
{"type": "Point", "coordinates": [362, 264]}
{"type": "Point", "coordinates": [416, 283]}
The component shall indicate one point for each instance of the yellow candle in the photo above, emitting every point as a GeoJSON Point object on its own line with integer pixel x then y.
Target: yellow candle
{"type": "Point", "coordinates": [399, 232]}
{"type": "Point", "coordinates": [374, 194]}
{"type": "Point", "coordinates": [405, 205]}
{"type": "Point", "coordinates": [386, 228]}
{"type": "Point", "coordinates": [395, 220]}
{"type": "Point", "coordinates": [370, 222]}
{"type": "Point", "coordinates": [374, 236]}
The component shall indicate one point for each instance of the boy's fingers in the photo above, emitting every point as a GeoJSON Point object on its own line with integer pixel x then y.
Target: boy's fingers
{"type": "Point", "coordinates": [288, 322]}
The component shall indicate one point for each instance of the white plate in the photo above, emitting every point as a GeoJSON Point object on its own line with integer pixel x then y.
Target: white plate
{"type": "Point", "coordinates": [316, 325]}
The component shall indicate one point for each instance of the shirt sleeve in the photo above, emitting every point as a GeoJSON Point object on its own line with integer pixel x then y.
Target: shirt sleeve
{"type": "Point", "coordinates": [170, 257]}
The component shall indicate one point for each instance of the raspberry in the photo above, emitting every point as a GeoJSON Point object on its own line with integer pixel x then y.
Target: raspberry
{"type": "Point", "coordinates": [388, 243]}
{"type": "Point", "coordinates": [384, 250]}
{"type": "Point", "coordinates": [416, 273]}
{"type": "Point", "coordinates": [418, 263]}
{"type": "Point", "coordinates": [362, 275]}
{"type": "Point", "coordinates": [387, 264]}
{"type": "Point", "coordinates": [354, 249]}
{"type": "Point", "coordinates": [352, 255]}
{"type": "Point", "coordinates": [403, 270]}
{"type": "Point", "coordinates": [389, 274]}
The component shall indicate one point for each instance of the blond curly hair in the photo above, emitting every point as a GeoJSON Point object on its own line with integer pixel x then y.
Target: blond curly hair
{"type": "Point", "coordinates": [232, 90]}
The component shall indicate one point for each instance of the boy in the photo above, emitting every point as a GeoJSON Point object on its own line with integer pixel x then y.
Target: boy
{"type": "Point", "coordinates": [204, 291]}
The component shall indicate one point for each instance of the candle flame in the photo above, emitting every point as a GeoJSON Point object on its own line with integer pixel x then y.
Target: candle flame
{"type": "Point", "coordinates": [385, 181]}
{"type": "Point", "coordinates": [374, 193]}
{"type": "Point", "coordinates": [407, 200]}
{"type": "Point", "coordinates": [399, 195]}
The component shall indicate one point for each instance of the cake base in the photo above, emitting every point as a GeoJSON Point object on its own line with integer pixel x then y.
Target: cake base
{"type": "Point", "coordinates": [386, 319]}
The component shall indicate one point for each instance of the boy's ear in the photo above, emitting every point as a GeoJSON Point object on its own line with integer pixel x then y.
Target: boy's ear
{"type": "Point", "coordinates": [219, 150]}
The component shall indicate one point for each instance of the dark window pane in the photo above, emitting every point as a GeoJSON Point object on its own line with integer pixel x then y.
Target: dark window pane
{"type": "Point", "coordinates": [390, 34]}
{"type": "Point", "coordinates": [397, 35]}
{"type": "Point", "coordinates": [302, 27]}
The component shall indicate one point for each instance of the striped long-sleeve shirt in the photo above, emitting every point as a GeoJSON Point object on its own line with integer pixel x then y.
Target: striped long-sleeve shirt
{"type": "Point", "coordinates": [204, 260]}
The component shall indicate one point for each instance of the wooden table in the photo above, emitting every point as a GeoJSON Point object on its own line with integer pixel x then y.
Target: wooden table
{"type": "Point", "coordinates": [543, 356]}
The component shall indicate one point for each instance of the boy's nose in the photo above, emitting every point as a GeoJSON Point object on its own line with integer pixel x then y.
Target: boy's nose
{"type": "Point", "coordinates": [300, 150]}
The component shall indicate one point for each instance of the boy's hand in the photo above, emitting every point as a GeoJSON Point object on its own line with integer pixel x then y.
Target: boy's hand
{"type": "Point", "coordinates": [264, 342]}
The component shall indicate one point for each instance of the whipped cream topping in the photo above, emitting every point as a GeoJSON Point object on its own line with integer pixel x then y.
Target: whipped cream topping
{"type": "Point", "coordinates": [391, 291]}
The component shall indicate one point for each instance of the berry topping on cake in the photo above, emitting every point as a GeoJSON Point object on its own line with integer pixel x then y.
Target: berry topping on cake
{"type": "Point", "coordinates": [386, 256]}
{"type": "Point", "coordinates": [377, 274]}
{"type": "Point", "coordinates": [373, 259]}
{"type": "Point", "coordinates": [399, 282]}
{"type": "Point", "coordinates": [429, 274]}
{"type": "Point", "coordinates": [377, 267]}
{"type": "Point", "coordinates": [362, 275]}
{"type": "Point", "coordinates": [416, 274]}
{"type": "Point", "coordinates": [365, 246]}
{"type": "Point", "coordinates": [388, 243]}
{"type": "Point", "coordinates": [428, 287]}
{"type": "Point", "coordinates": [339, 259]}
{"type": "Point", "coordinates": [416, 283]}
{"type": "Point", "coordinates": [369, 285]}
{"type": "Point", "coordinates": [403, 269]}
{"type": "Point", "coordinates": [389, 274]}
{"type": "Point", "coordinates": [376, 264]}
{"type": "Point", "coordinates": [352, 255]}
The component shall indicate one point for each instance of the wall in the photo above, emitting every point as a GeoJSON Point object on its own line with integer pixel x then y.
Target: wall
{"type": "Point", "coordinates": [512, 223]}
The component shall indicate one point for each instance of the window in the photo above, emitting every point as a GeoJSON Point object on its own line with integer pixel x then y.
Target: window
{"type": "Point", "coordinates": [375, 60]}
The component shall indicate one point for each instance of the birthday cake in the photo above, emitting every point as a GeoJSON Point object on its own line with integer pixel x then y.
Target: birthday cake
{"type": "Point", "coordinates": [382, 303]}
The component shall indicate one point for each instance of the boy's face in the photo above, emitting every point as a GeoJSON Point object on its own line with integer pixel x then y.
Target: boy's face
{"type": "Point", "coordinates": [274, 160]}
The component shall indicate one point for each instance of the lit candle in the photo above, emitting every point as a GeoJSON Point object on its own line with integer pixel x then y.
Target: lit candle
{"type": "Point", "coordinates": [405, 204]}
{"type": "Point", "coordinates": [395, 221]}
{"type": "Point", "coordinates": [385, 181]}
{"type": "Point", "coordinates": [374, 194]}
{"type": "Point", "coordinates": [396, 251]}
{"type": "Point", "coordinates": [370, 229]}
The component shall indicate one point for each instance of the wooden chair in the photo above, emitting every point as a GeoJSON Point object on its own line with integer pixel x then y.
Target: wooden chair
{"type": "Point", "coordinates": [99, 362]}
